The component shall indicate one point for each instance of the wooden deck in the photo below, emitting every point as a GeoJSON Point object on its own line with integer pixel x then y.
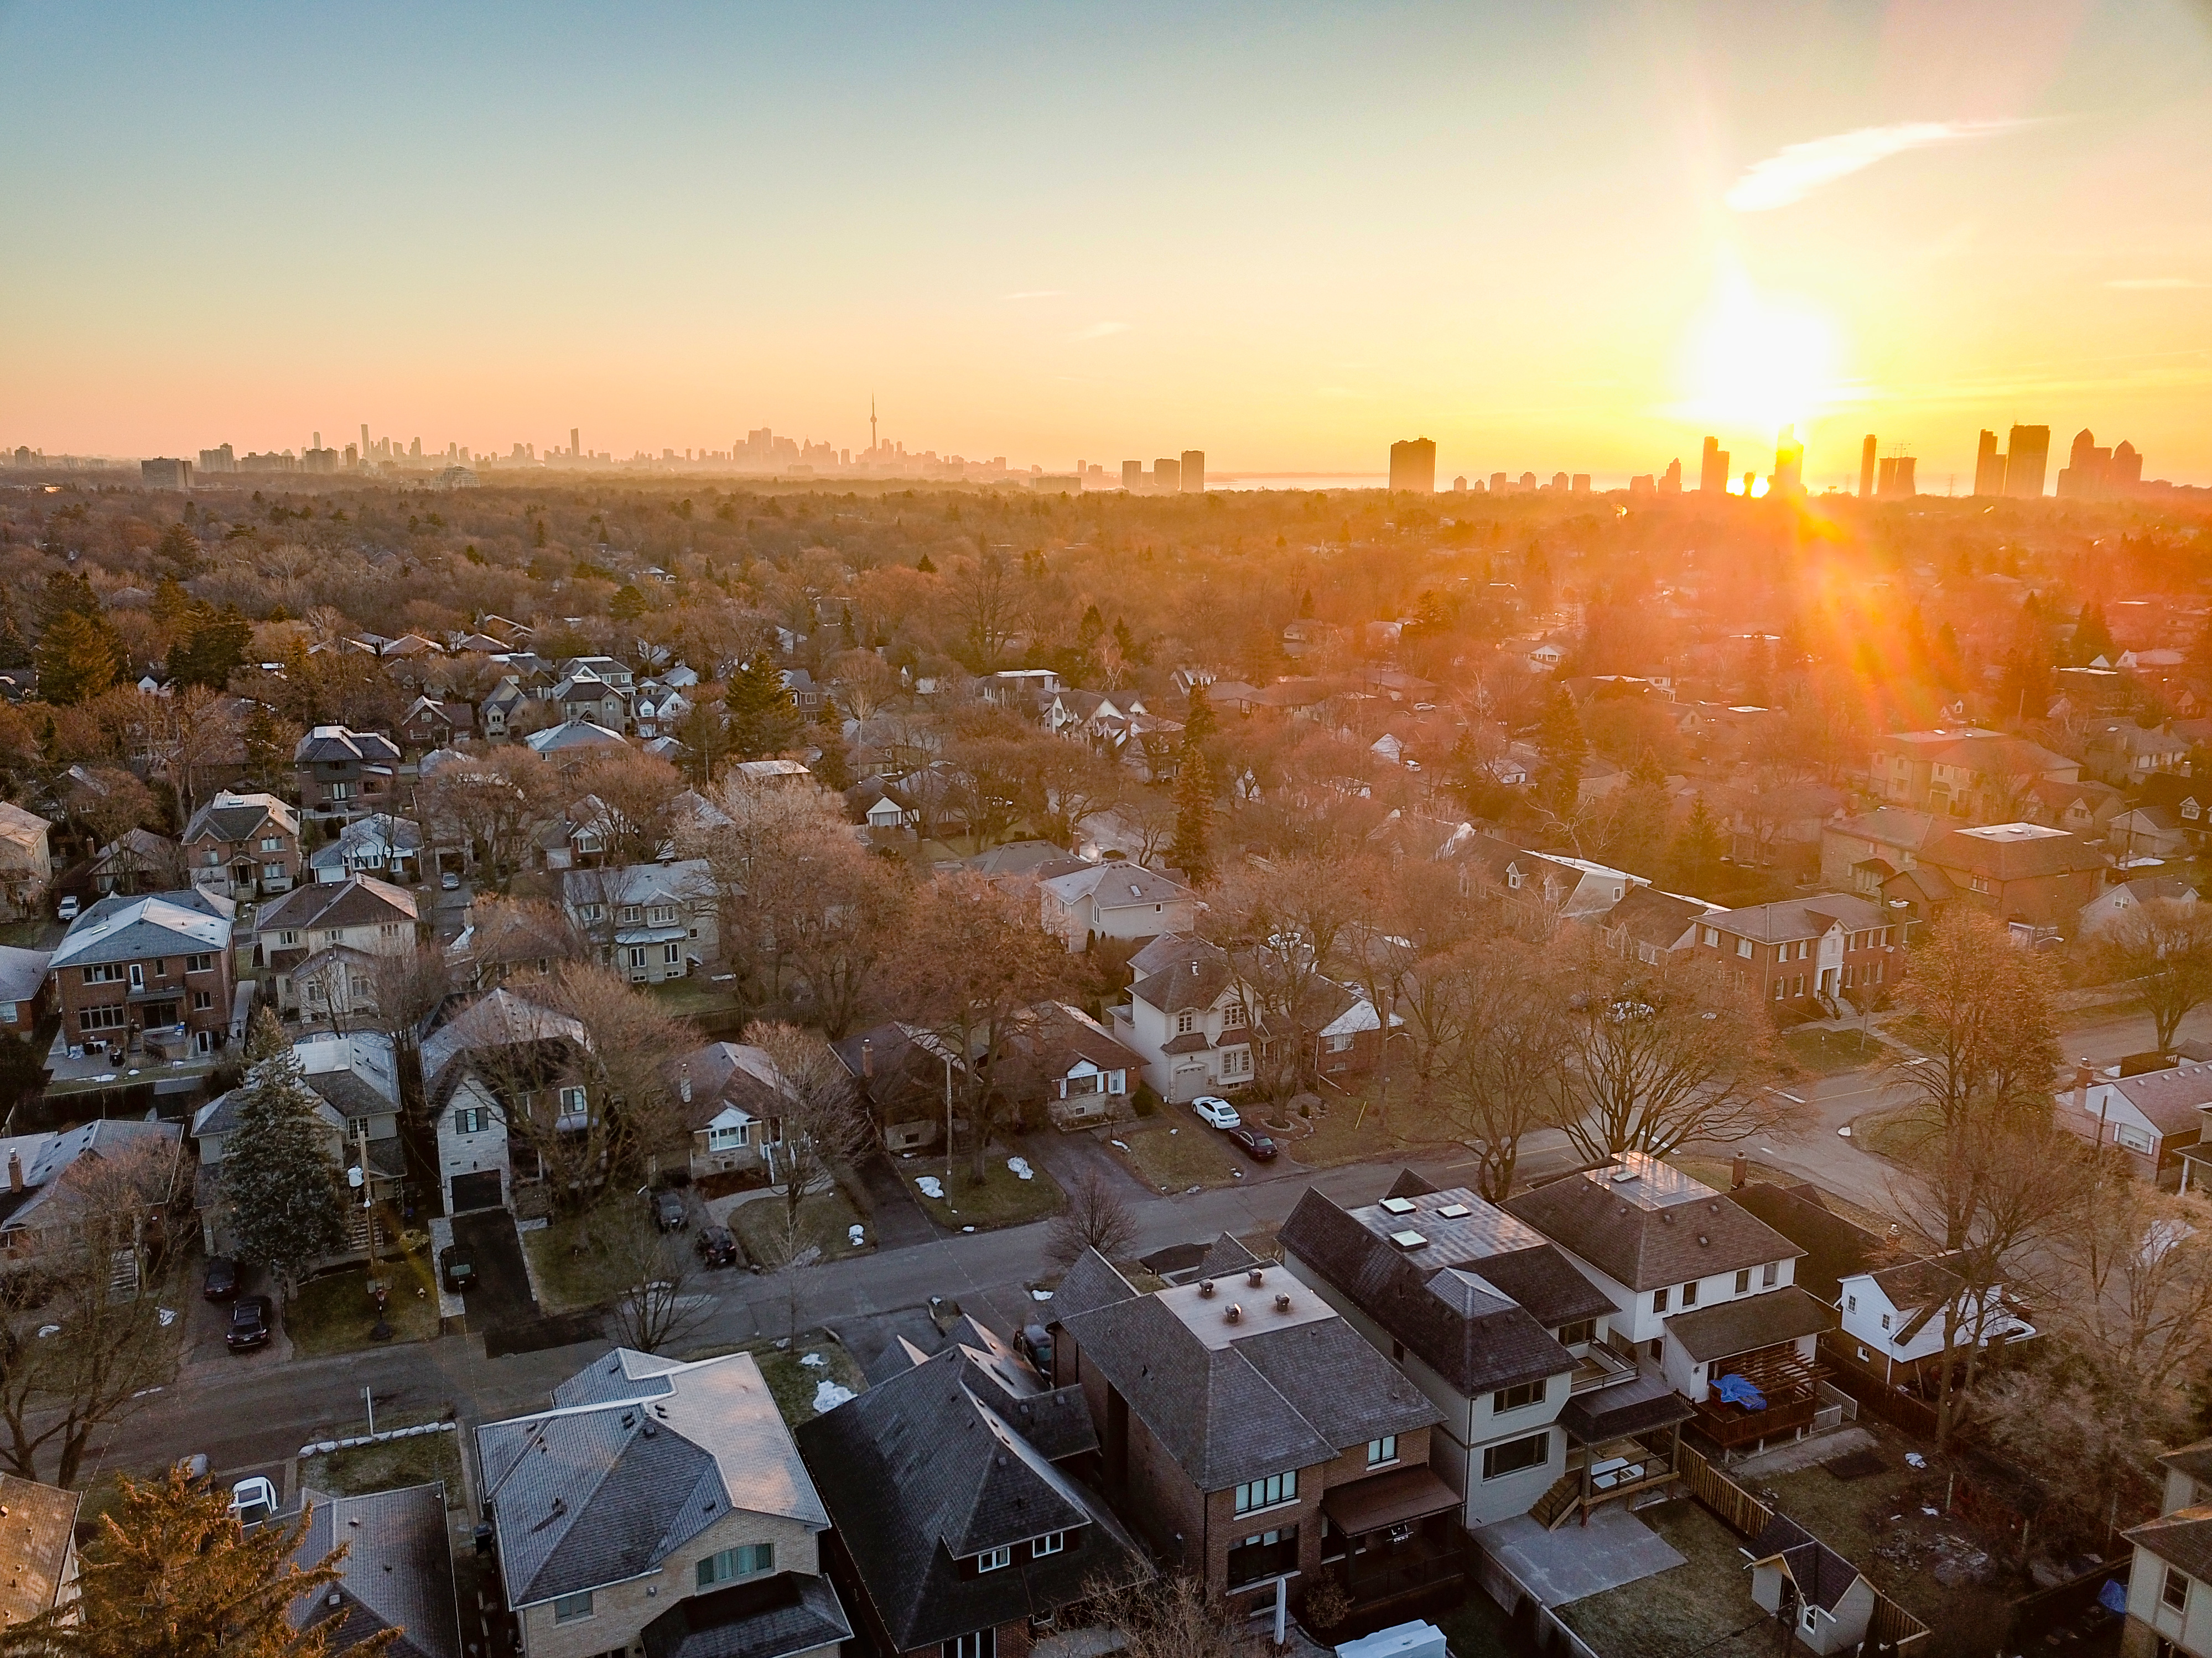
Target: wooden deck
{"type": "Point", "coordinates": [1791, 1386]}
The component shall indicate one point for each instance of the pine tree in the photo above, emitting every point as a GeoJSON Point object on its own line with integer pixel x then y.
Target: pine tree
{"type": "Point", "coordinates": [172, 1574]}
{"type": "Point", "coordinates": [287, 1207]}
{"type": "Point", "coordinates": [1638, 843]}
{"type": "Point", "coordinates": [763, 720]}
{"type": "Point", "coordinates": [925, 565]}
{"type": "Point", "coordinates": [627, 604]}
{"type": "Point", "coordinates": [1192, 849]}
{"type": "Point", "coordinates": [834, 769]}
{"type": "Point", "coordinates": [1560, 741]}
{"type": "Point", "coordinates": [213, 649]}
{"type": "Point", "coordinates": [75, 661]}
{"type": "Point", "coordinates": [179, 549]}
{"type": "Point", "coordinates": [1693, 862]}
{"type": "Point", "coordinates": [268, 747]}
{"type": "Point", "coordinates": [2093, 638]}
{"type": "Point", "coordinates": [14, 650]}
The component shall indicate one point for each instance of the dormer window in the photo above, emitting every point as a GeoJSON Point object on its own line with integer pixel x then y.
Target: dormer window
{"type": "Point", "coordinates": [995, 1559]}
{"type": "Point", "coordinates": [1232, 1017]}
{"type": "Point", "coordinates": [1186, 1022]}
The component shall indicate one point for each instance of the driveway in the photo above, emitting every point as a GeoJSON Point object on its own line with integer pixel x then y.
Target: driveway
{"type": "Point", "coordinates": [899, 1221]}
{"type": "Point", "coordinates": [500, 1294]}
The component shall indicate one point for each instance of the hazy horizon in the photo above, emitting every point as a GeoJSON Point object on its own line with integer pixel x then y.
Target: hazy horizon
{"type": "Point", "coordinates": [1573, 241]}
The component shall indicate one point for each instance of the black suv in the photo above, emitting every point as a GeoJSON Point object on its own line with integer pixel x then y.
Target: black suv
{"type": "Point", "coordinates": [717, 1246]}
{"type": "Point", "coordinates": [249, 1324]}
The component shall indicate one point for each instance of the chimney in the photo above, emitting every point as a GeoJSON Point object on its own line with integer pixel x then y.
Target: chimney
{"type": "Point", "coordinates": [2084, 1074]}
{"type": "Point", "coordinates": [683, 1083]}
{"type": "Point", "coordinates": [1739, 1172]}
{"type": "Point", "coordinates": [14, 1171]}
{"type": "Point", "coordinates": [867, 1059]}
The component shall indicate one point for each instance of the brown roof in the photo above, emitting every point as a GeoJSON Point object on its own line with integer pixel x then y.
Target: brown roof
{"type": "Point", "coordinates": [2010, 859]}
{"type": "Point", "coordinates": [1194, 975]}
{"type": "Point", "coordinates": [1748, 1322]}
{"type": "Point", "coordinates": [34, 1545]}
{"type": "Point", "coordinates": [1628, 1230]}
{"type": "Point", "coordinates": [2182, 1538]}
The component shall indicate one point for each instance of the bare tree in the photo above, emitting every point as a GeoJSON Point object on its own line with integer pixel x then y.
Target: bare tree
{"type": "Point", "coordinates": [1096, 1218]}
{"type": "Point", "coordinates": [1164, 1617]}
{"type": "Point", "coordinates": [1280, 923]}
{"type": "Point", "coordinates": [1511, 1032]}
{"type": "Point", "coordinates": [407, 987]}
{"type": "Point", "coordinates": [634, 790]}
{"type": "Point", "coordinates": [823, 1126]}
{"type": "Point", "coordinates": [645, 1275]}
{"type": "Point", "coordinates": [2167, 946]}
{"type": "Point", "coordinates": [986, 607]}
{"type": "Point", "coordinates": [486, 805]}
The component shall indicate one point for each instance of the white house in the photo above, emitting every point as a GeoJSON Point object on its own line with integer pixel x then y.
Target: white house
{"type": "Point", "coordinates": [1188, 1018]}
{"type": "Point", "coordinates": [1114, 900]}
{"type": "Point", "coordinates": [650, 921]}
{"type": "Point", "coordinates": [380, 844]}
{"type": "Point", "coordinates": [2148, 1118]}
{"type": "Point", "coordinates": [472, 1065]}
{"type": "Point", "coordinates": [2170, 1584]}
{"type": "Point", "coordinates": [2109, 910]}
{"type": "Point", "coordinates": [1895, 1318]}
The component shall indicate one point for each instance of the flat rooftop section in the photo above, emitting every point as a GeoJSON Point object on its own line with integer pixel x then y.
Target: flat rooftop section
{"type": "Point", "coordinates": [1206, 1316]}
{"type": "Point", "coordinates": [1572, 1564]}
{"type": "Point", "coordinates": [2005, 833]}
{"type": "Point", "coordinates": [1642, 1180]}
{"type": "Point", "coordinates": [1459, 1226]}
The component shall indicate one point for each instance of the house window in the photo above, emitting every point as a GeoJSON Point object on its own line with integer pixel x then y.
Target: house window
{"type": "Point", "coordinates": [573, 1101]}
{"type": "Point", "coordinates": [1850, 1303]}
{"type": "Point", "coordinates": [1338, 1044]}
{"type": "Point", "coordinates": [630, 913]}
{"type": "Point", "coordinates": [1574, 1335]}
{"type": "Point", "coordinates": [1512, 1398]}
{"type": "Point", "coordinates": [1885, 1320]}
{"type": "Point", "coordinates": [995, 1559]}
{"type": "Point", "coordinates": [567, 1609]}
{"type": "Point", "coordinates": [1237, 1062]}
{"type": "Point", "coordinates": [356, 1127]}
{"type": "Point", "coordinates": [1266, 1493]}
{"type": "Point", "coordinates": [200, 964]}
{"type": "Point", "coordinates": [288, 938]}
{"type": "Point", "coordinates": [1779, 986]}
{"type": "Point", "coordinates": [1517, 1455]}
{"type": "Point", "coordinates": [1712, 938]}
{"type": "Point", "coordinates": [1743, 1282]}
{"type": "Point", "coordinates": [1232, 1017]}
{"type": "Point", "coordinates": [637, 956]}
{"type": "Point", "coordinates": [1383, 1452]}
{"type": "Point", "coordinates": [1797, 984]}
{"type": "Point", "coordinates": [107, 973]}
{"type": "Point", "coordinates": [2175, 1590]}
{"type": "Point", "coordinates": [1659, 1301]}
{"type": "Point", "coordinates": [271, 843]}
{"type": "Point", "coordinates": [1186, 1022]}
{"type": "Point", "coordinates": [1812, 1619]}
{"type": "Point", "coordinates": [1769, 1274]}
{"type": "Point", "coordinates": [729, 1139]}
{"type": "Point", "coordinates": [138, 975]}
{"type": "Point", "coordinates": [202, 1000]}
{"type": "Point", "coordinates": [671, 955]}
{"type": "Point", "coordinates": [746, 1560]}
{"type": "Point", "coordinates": [1051, 1543]}
{"type": "Point", "coordinates": [469, 1119]}
{"type": "Point", "coordinates": [101, 1018]}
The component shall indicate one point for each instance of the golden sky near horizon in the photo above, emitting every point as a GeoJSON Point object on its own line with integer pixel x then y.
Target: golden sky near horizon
{"type": "Point", "coordinates": [1573, 237]}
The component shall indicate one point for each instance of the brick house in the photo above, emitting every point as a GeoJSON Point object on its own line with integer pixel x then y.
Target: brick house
{"type": "Point", "coordinates": [2019, 873]}
{"type": "Point", "coordinates": [244, 845]}
{"type": "Point", "coordinates": [342, 774]}
{"type": "Point", "coordinates": [1802, 953]}
{"type": "Point", "coordinates": [2147, 1121]}
{"type": "Point", "coordinates": [1251, 1434]}
{"type": "Point", "coordinates": [961, 1519]}
{"type": "Point", "coordinates": [151, 972]}
{"type": "Point", "coordinates": [1965, 772]}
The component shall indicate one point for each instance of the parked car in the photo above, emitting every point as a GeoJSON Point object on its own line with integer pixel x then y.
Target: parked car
{"type": "Point", "coordinates": [194, 1467]}
{"type": "Point", "coordinates": [460, 1272]}
{"type": "Point", "coordinates": [68, 911]}
{"type": "Point", "coordinates": [449, 881]}
{"type": "Point", "coordinates": [249, 1324]}
{"type": "Point", "coordinates": [1255, 1145]}
{"type": "Point", "coordinates": [717, 1246]}
{"type": "Point", "coordinates": [1213, 1109]}
{"type": "Point", "coordinates": [668, 1212]}
{"type": "Point", "coordinates": [221, 1284]}
{"type": "Point", "coordinates": [1035, 1343]}
{"type": "Point", "coordinates": [253, 1499]}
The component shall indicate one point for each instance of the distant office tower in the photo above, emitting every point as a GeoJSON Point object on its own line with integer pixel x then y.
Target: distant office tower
{"type": "Point", "coordinates": [1560, 482]}
{"type": "Point", "coordinates": [576, 447]}
{"type": "Point", "coordinates": [1528, 480]}
{"type": "Point", "coordinates": [2125, 474]}
{"type": "Point", "coordinates": [1194, 472]}
{"type": "Point", "coordinates": [1167, 475]}
{"type": "Point", "coordinates": [1413, 467]}
{"type": "Point", "coordinates": [1459, 485]}
{"type": "Point", "coordinates": [166, 474]}
{"type": "Point", "coordinates": [1132, 475]}
{"type": "Point", "coordinates": [1865, 467]}
{"type": "Point", "coordinates": [1896, 477]}
{"type": "Point", "coordinates": [1641, 484]}
{"type": "Point", "coordinates": [1789, 478]}
{"type": "Point", "coordinates": [353, 456]}
{"type": "Point", "coordinates": [1580, 485]}
{"type": "Point", "coordinates": [2027, 452]}
{"type": "Point", "coordinates": [2087, 470]}
{"type": "Point", "coordinates": [364, 439]}
{"type": "Point", "coordinates": [1499, 483]}
{"type": "Point", "coordinates": [218, 460]}
{"type": "Point", "coordinates": [1989, 466]}
{"type": "Point", "coordinates": [1712, 469]}
{"type": "Point", "coordinates": [1670, 481]}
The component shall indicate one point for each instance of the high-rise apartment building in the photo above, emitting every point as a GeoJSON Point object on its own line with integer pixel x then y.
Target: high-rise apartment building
{"type": "Point", "coordinates": [1413, 467]}
{"type": "Point", "coordinates": [1896, 478]}
{"type": "Point", "coordinates": [1866, 468]}
{"type": "Point", "coordinates": [1712, 469]}
{"type": "Point", "coordinates": [1670, 481]}
{"type": "Point", "coordinates": [1789, 478]}
{"type": "Point", "coordinates": [221, 460]}
{"type": "Point", "coordinates": [1167, 475]}
{"type": "Point", "coordinates": [1499, 483]}
{"type": "Point", "coordinates": [166, 473]}
{"type": "Point", "coordinates": [1194, 472]}
{"type": "Point", "coordinates": [2028, 454]}
{"type": "Point", "coordinates": [1132, 475]}
{"type": "Point", "coordinates": [1580, 484]}
{"type": "Point", "coordinates": [1989, 466]}
{"type": "Point", "coordinates": [575, 442]}
{"type": "Point", "coordinates": [2091, 470]}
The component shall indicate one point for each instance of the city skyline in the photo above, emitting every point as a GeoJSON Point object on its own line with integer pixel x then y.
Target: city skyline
{"type": "Point", "coordinates": [672, 229]}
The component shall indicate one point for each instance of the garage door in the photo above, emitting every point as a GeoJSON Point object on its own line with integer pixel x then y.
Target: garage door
{"type": "Point", "coordinates": [476, 1190]}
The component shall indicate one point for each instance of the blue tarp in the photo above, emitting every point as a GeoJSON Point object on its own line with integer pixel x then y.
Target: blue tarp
{"type": "Point", "coordinates": [1735, 1390]}
{"type": "Point", "coordinates": [2113, 1597]}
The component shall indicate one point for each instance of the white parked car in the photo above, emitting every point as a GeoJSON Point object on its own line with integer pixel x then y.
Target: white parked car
{"type": "Point", "coordinates": [69, 908]}
{"type": "Point", "coordinates": [253, 1499]}
{"type": "Point", "coordinates": [1216, 1110]}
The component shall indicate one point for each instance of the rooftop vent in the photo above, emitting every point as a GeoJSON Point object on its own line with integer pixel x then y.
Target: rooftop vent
{"type": "Point", "coordinates": [1455, 1212]}
{"type": "Point", "coordinates": [1234, 1313]}
{"type": "Point", "coordinates": [1703, 1239]}
{"type": "Point", "coordinates": [1282, 1303]}
{"type": "Point", "coordinates": [1409, 1239]}
{"type": "Point", "coordinates": [1398, 1206]}
{"type": "Point", "coordinates": [1206, 1286]}
{"type": "Point", "coordinates": [1255, 1278]}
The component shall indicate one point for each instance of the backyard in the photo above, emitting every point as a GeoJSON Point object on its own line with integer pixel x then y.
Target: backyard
{"type": "Point", "coordinates": [1000, 1199]}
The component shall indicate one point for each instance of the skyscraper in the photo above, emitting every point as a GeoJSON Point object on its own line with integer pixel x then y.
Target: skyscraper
{"type": "Point", "coordinates": [575, 447]}
{"type": "Point", "coordinates": [1712, 469]}
{"type": "Point", "coordinates": [1897, 478]}
{"type": "Point", "coordinates": [1789, 479]}
{"type": "Point", "coordinates": [1413, 467]}
{"type": "Point", "coordinates": [1132, 475]}
{"type": "Point", "coordinates": [2027, 453]}
{"type": "Point", "coordinates": [1194, 472]}
{"type": "Point", "coordinates": [1866, 468]}
{"type": "Point", "coordinates": [1670, 481]}
{"type": "Point", "coordinates": [2087, 466]}
{"type": "Point", "coordinates": [1989, 466]}
{"type": "Point", "coordinates": [1166, 475]}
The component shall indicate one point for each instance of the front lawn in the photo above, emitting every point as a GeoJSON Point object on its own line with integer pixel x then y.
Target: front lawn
{"type": "Point", "coordinates": [562, 1266]}
{"type": "Point", "coordinates": [1361, 1128]}
{"type": "Point", "coordinates": [1895, 1133]}
{"type": "Point", "coordinates": [825, 1220]}
{"type": "Point", "coordinates": [1000, 1199]}
{"type": "Point", "coordinates": [1175, 1157]}
{"type": "Point", "coordinates": [334, 1315]}
{"type": "Point", "coordinates": [415, 1460]}
{"type": "Point", "coordinates": [1826, 1052]}
{"type": "Point", "coordinates": [790, 1378]}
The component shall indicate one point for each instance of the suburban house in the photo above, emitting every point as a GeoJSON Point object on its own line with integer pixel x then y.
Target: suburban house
{"type": "Point", "coordinates": [904, 1074]}
{"type": "Point", "coordinates": [397, 1573]}
{"type": "Point", "coordinates": [27, 864]}
{"type": "Point", "coordinates": [137, 861]}
{"type": "Point", "coordinates": [1701, 1292]}
{"type": "Point", "coordinates": [38, 1549]}
{"type": "Point", "coordinates": [1114, 900]}
{"type": "Point", "coordinates": [1803, 951]}
{"type": "Point", "coordinates": [481, 1069]}
{"type": "Point", "coordinates": [2022, 873]}
{"type": "Point", "coordinates": [649, 921]}
{"type": "Point", "coordinates": [430, 723]}
{"type": "Point", "coordinates": [1858, 853]}
{"type": "Point", "coordinates": [2122, 751]}
{"type": "Point", "coordinates": [501, 705]}
{"type": "Point", "coordinates": [961, 1526]}
{"type": "Point", "coordinates": [2170, 1585]}
{"type": "Point", "coordinates": [1255, 1439]}
{"type": "Point", "coordinates": [1573, 889]}
{"type": "Point", "coordinates": [2147, 1120]}
{"type": "Point", "coordinates": [660, 1507]}
{"type": "Point", "coordinates": [2148, 833]}
{"type": "Point", "coordinates": [584, 695]}
{"type": "Point", "coordinates": [1894, 1319]}
{"type": "Point", "coordinates": [356, 1082]}
{"type": "Point", "coordinates": [1504, 1336]}
{"type": "Point", "coordinates": [1650, 926]}
{"type": "Point", "coordinates": [1188, 1018]}
{"type": "Point", "coordinates": [390, 848]}
{"type": "Point", "coordinates": [322, 944]}
{"type": "Point", "coordinates": [1964, 771]}
{"type": "Point", "coordinates": [1817, 1593]}
{"type": "Point", "coordinates": [732, 1099]}
{"type": "Point", "coordinates": [572, 739]}
{"type": "Point", "coordinates": [149, 975]}
{"type": "Point", "coordinates": [342, 774]}
{"type": "Point", "coordinates": [24, 989]}
{"type": "Point", "coordinates": [2111, 909]}
{"type": "Point", "coordinates": [1059, 1058]}
{"type": "Point", "coordinates": [41, 1201]}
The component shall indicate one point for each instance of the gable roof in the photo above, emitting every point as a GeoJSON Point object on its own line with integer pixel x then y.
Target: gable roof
{"type": "Point", "coordinates": [2182, 1538]}
{"type": "Point", "coordinates": [726, 1074]}
{"type": "Point", "coordinates": [2170, 1099]}
{"type": "Point", "coordinates": [241, 817]}
{"type": "Point", "coordinates": [397, 1573]}
{"type": "Point", "coordinates": [499, 1018]}
{"type": "Point", "coordinates": [24, 830]}
{"type": "Point", "coordinates": [1744, 1322]}
{"type": "Point", "coordinates": [773, 1617]}
{"type": "Point", "coordinates": [1835, 1250]}
{"type": "Point", "coordinates": [123, 929]}
{"type": "Point", "coordinates": [1660, 919]}
{"type": "Point", "coordinates": [1822, 1576]}
{"type": "Point", "coordinates": [357, 901]}
{"type": "Point", "coordinates": [336, 745]}
{"type": "Point", "coordinates": [1116, 885]}
{"type": "Point", "coordinates": [1652, 1227]}
{"type": "Point", "coordinates": [1181, 972]}
{"type": "Point", "coordinates": [1797, 918]}
{"type": "Point", "coordinates": [638, 1455]}
{"type": "Point", "coordinates": [34, 1545]}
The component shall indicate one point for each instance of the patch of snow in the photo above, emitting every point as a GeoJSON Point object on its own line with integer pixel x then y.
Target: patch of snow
{"type": "Point", "coordinates": [1040, 1295]}
{"type": "Point", "coordinates": [1020, 1168]}
{"type": "Point", "coordinates": [930, 1186]}
{"type": "Point", "coordinates": [856, 1235]}
{"type": "Point", "coordinates": [1916, 1460]}
{"type": "Point", "coordinates": [814, 1362]}
{"type": "Point", "coordinates": [829, 1395]}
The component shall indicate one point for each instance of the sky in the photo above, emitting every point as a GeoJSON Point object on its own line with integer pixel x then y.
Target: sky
{"type": "Point", "coordinates": [1566, 237]}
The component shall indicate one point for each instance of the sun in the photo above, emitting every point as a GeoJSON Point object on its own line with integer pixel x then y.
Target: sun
{"type": "Point", "coordinates": [1757, 362]}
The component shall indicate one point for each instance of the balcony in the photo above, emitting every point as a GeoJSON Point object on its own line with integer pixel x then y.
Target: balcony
{"type": "Point", "coordinates": [1599, 1366]}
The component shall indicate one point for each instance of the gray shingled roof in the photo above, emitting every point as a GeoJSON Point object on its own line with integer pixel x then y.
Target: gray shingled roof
{"type": "Point", "coordinates": [2182, 1538]}
{"type": "Point", "coordinates": [2194, 1461]}
{"type": "Point", "coordinates": [1834, 1247]}
{"type": "Point", "coordinates": [1822, 1576]}
{"type": "Point", "coordinates": [790, 1612]}
{"type": "Point", "coordinates": [939, 1463]}
{"type": "Point", "coordinates": [1192, 974]}
{"type": "Point", "coordinates": [399, 1569]}
{"type": "Point", "coordinates": [118, 929]}
{"type": "Point", "coordinates": [34, 1545]}
{"type": "Point", "coordinates": [358, 901]}
{"type": "Point", "coordinates": [1645, 1248]}
{"type": "Point", "coordinates": [1729, 1328]}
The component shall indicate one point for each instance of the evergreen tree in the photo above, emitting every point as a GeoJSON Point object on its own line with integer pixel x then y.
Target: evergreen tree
{"type": "Point", "coordinates": [1693, 861]}
{"type": "Point", "coordinates": [1638, 840]}
{"type": "Point", "coordinates": [268, 747]}
{"type": "Point", "coordinates": [627, 604]}
{"type": "Point", "coordinates": [14, 650]}
{"type": "Point", "coordinates": [179, 549]}
{"type": "Point", "coordinates": [2092, 637]}
{"type": "Point", "coordinates": [213, 649]}
{"type": "Point", "coordinates": [834, 769]}
{"type": "Point", "coordinates": [76, 662]}
{"type": "Point", "coordinates": [925, 565]}
{"type": "Point", "coordinates": [763, 720]}
{"type": "Point", "coordinates": [286, 1195]}
{"type": "Point", "coordinates": [1563, 747]}
{"type": "Point", "coordinates": [845, 627]}
{"type": "Point", "coordinates": [172, 1574]}
{"type": "Point", "coordinates": [1192, 849]}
